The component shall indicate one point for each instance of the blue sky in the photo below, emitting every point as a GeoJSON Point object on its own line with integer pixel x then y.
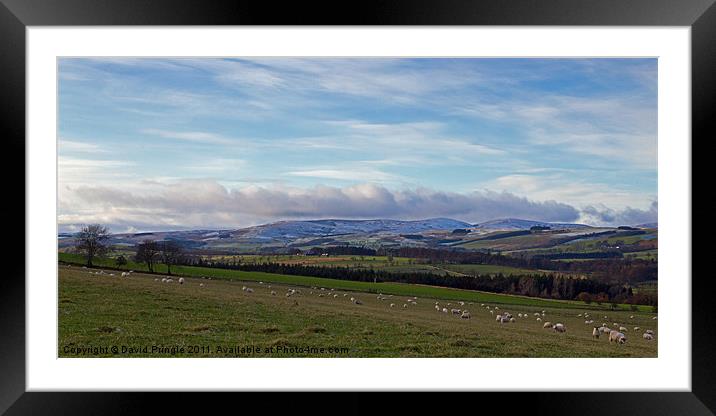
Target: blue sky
{"type": "Point", "coordinates": [149, 144]}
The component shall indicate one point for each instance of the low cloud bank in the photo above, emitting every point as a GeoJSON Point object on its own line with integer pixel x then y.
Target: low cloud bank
{"type": "Point", "coordinates": [193, 204]}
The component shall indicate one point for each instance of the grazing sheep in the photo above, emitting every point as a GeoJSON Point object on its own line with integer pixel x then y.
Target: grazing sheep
{"type": "Point", "coordinates": [445, 310]}
{"type": "Point", "coordinates": [648, 337]}
{"type": "Point", "coordinates": [492, 312]}
{"type": "Point", "coordinates": [559, 327]}
{"type": "Point", "coordinates": [606, 329]}
{"type": "Point", "coordinates": [547, 325]}
{"type": "Point", "coordinates": [595, 333]}
{"type": "Point", "coordinates": [536, 314]}
{"type": "Point", "coordinates": [618, 337]}
{"type": "Point", "coordinates": [164, 279]}
{"type": "Point", "coordinates": [519, 315]}
{"type": "Point", "coordinates": [654, 318]}
{"type": "Point", "coordinates": [201, 285]}
{"type": "Point", "coordinates": [579, 315]}
{"type": "Point", "coordinates": [631, 317]}
{"type": "Point", "coordinates": [181, 280]}
{"type": "Point", "coordinates": [156, 279]}
{"type": "Point", "coordinates": [512, 319]}
{"type": "Point", "coordinates": [243, 288]}
{"type": "Point", "coordinates": [506, 320]}
{"type": "Point", "coordinates": [539, 319]}
{"type": "Point", "coordinates": [649, 331]}
{"type": "Point", "coordinates": [497, 308]}
{"type": "Point", "coordinates": [335, 295]}
{"type": "Point", "coordinates": [622, 329]}
{"type": "Point", "coordinates": [405, 305]}
{"type": "Point", "coordinates": [636, 328]}
{"type": "Point", "coordinates": [273, 293]}
{"type": "Point", "coordinates": [358, 302]}
{"type": "Point", "coordinates": [124, 274]}
{"type": "Point", "coordinates": [249, 290]}
{"type": "Point", "coordinates": [353, 299]}
{"type": "Point", "coordinates": [498, 318]}
{"type": "Point", "coordinates": [455, 311]}
{"type": "Point", "coordinates": [170, 280]}
{"type": "Point", "coordinates": [392, 305]}
{"type": "Point", "coordinates": [465, 315]}
{"type": "Point", "coordinates": [462, 303]}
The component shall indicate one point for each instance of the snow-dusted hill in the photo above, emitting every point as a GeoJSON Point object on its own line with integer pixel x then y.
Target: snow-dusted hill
{"type": "Point", "coordinates": [315, 228]}
{"type": "Point", "coordinates": [509, 224]}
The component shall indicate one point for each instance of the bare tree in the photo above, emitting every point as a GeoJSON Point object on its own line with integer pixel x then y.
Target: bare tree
{"type": "Point", "coordinates": [171, 253]}
{"type": "Point", "coordinates": [92, 241]}
{"type": "Point", "coordinates": [147, 252]}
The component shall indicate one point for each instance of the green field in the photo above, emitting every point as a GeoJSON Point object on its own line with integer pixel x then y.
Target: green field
{"type": "Point", "coordinates": [140, 311]}
{"type": "Point", "coordinates": [383, 287]}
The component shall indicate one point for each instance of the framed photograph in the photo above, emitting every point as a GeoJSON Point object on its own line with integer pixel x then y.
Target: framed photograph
{"type": "Point", "coordinates": [445, 197]}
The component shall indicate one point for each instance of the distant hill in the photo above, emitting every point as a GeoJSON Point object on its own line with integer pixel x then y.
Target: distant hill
{"type": "Point", "coordinates": [648, 225]}
{"type": "Point", "coordinates": [518, 224]}
{"type": "Point", "coordinates": [299, 229]}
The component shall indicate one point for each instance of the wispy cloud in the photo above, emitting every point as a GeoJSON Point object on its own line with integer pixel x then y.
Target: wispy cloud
{"type": "Point", "coordinates": [190, 136]}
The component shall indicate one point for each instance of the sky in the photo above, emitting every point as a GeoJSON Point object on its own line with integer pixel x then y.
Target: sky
{"type": "Point", "coordinates": [148, 144]}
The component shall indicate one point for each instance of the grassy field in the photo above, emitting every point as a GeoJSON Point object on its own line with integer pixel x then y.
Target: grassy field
{"type": "Point", "coordinates": [140, 311]}
{"type": "Point", "coordinates": [384, 287]}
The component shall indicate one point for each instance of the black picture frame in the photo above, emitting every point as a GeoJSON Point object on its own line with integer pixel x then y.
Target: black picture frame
{"type": "Point", "coordinates": [16, 15]}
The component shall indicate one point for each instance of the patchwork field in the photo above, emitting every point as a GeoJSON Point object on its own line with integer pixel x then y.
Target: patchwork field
{"type": "Point", "coordinates": [198, 317]}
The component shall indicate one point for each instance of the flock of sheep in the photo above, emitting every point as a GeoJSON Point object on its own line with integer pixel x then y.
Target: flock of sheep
{"type": "Point", "coordinates": [614, 335]}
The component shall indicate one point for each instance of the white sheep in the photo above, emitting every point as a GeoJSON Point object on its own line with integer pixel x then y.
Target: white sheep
{"type": "Point", "coordinates": [547, 324]}
{"type": "Point", "coordinates": [498, 318]}
{"type": "Point", "coordinates": [455, 311]}
{"type": "Point", "coordinates": [392, 305]}
{"type": "Point", "coordinates": [445, 310]}
{"type": "Point", "coordinates": [559, 327]}
{"type": "Point", "coordinates": [156, 279]}
{"type": "Point", "coordinates": [164, 279]}
{"type": "Point", "coordinates": [465, 315]}
{"type": "Point", "coordinates": [181, 280]}
{"type": "Point", "coordinates": [539, 319]}
{"type": "Point", "coordinates": [170, 280]}
{"type": "Point", "coordinates": [512, 319]}
{"type": "Point", "coordinates": [648, 337]}
{"type": "Point", "coordinates": [618, 337]}
{"type": "Point", "coordinates": [622, 329]}
{"type": "Point", "coordinates": [358, 302]}
{"type": "Point", "coordinates": [595, 333]}
{"type": "Point", "coordinates": [649, 331]}
{"type": "Point", "coordinates": [201, 285]}
{"type": "Point", "coordinates": [405, 305]}
{"type": "Point", "coordinates": [273, 293]}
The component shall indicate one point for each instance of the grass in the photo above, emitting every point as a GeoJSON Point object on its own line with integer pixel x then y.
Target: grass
{"type": "Point", "coordinates": [192, 321]}
{"type": "Point", "coordinates": [384, 287]}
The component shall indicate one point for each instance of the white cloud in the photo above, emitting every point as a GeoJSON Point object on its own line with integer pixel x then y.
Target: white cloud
{"type": "Point", "coordinates": [191, 136]}
{"type": "Point", "coordinates": [203, 203]}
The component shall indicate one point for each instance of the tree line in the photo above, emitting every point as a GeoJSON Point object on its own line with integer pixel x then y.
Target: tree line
{"type": "Point", "coordinates": [550, 286]}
